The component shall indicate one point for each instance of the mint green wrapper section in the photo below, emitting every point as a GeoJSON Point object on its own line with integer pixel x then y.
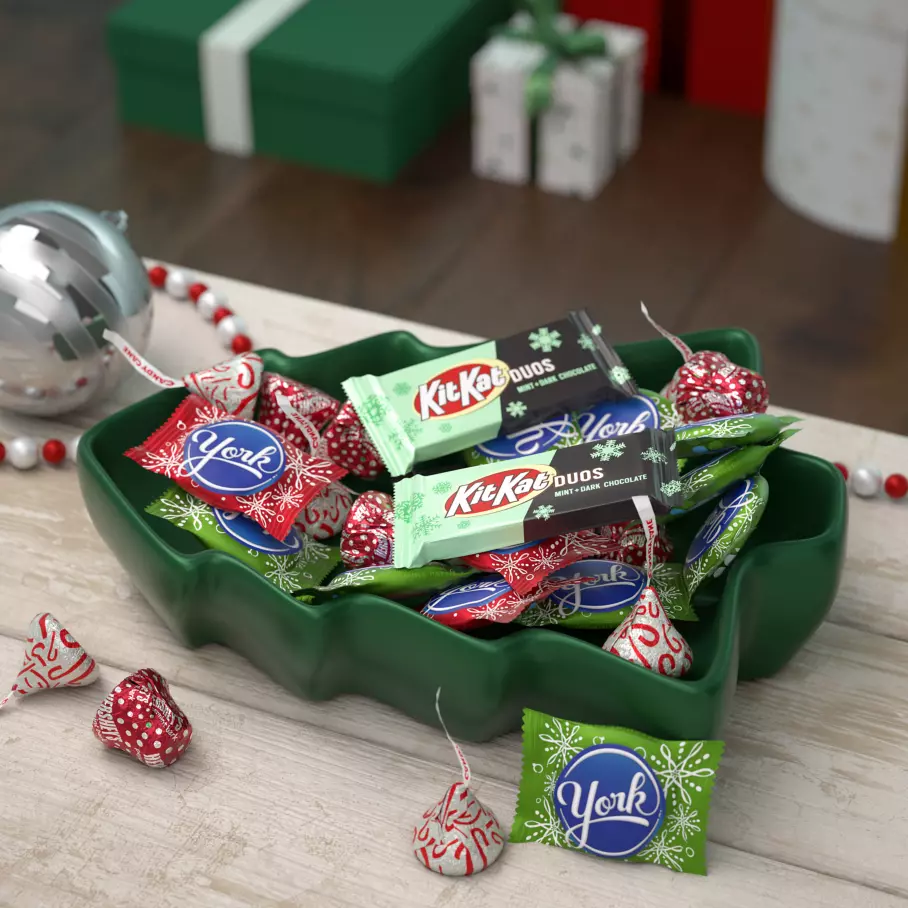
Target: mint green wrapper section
{"type": "Point", "coordinates": [667, 580]}
{"type": "Point", "coordinates": [385, 406]}
{"type": "Point", "coordinates": [685, 771]}
{"type": "Point", "coordinates": [306, 567]}
{"type": "Point", "coordinates": [396, 583]}
{"type": "Point", "coordinates": [727, 432]}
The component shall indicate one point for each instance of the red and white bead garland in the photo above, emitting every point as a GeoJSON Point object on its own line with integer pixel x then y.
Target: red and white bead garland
{"type": "Point", "coordinates": [23, 452]}
{"type": "Point", "coordinates": [212, 306]}
{"type": "Point", "coordinates": [868, 482]}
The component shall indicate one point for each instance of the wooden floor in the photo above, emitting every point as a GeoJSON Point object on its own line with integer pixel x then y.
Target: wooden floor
{"type": "Point", "coordinates": [687, 226]}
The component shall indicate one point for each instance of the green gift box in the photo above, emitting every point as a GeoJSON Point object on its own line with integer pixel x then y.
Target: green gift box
{"type": "Point", "coordinates": [356, 86]}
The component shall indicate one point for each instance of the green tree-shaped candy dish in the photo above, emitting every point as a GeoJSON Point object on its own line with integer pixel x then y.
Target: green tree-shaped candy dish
{"type": "Point", "coordinates": [752, 620]}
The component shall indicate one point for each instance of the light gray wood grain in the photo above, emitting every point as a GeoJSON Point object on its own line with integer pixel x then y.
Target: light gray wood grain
{"type": "Point", "coordinates": [814, 778]}
{"type": "Point", "coordinates": [266, 811]}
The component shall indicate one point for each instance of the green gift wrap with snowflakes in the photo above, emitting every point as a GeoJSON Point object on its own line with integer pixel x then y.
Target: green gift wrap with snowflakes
{"type": "Point", "coordinates": [615, 793]}
{"type": "Point", "coordinates": [292, 564]}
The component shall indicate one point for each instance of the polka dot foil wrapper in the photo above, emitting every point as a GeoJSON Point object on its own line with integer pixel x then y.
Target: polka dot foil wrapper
{"type": "Point", "coordinates": [709, 384]}
{"type": "Point", "coordinates": [141, 718]}
{"type": "Point", "coordinates": [346, 442]}
{"type": "Point", "coordinates": [368, 535]}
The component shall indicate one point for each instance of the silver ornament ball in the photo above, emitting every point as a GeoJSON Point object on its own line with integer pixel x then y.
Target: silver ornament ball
{"type": "Point", "coordinates": [866, 482]}
{"type": "Point", "coordinates": [66, 274]}
{"type": "Point", "coordinates": [22, 453]}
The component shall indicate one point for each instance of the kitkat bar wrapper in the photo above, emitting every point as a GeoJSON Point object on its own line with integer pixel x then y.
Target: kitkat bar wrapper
{"type": "Point", "coordinates": [235, 465]}
{"type": "Point", "coordinates": [461, 399]}
{"type": "Point", "coordinates": [496, 506]}
{"type": "Point", "coordinates": [293, 563]}
{"type": "Point", "coordinates": [615, 793]}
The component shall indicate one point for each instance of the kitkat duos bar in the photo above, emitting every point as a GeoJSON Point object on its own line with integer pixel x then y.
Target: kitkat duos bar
{"type": "Point", "coordinates": [461, 399]}
{"type": "Point", "coordinates": [501, 505]}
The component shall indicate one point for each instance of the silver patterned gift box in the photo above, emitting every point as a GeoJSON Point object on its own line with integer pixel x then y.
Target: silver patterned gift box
{"type": "Point", "coordinates": [591, 124]}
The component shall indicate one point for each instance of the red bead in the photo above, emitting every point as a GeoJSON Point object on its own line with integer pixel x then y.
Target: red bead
{"type": "Point", "coordinates": [157, 275]}
{"type": "Point", "coordinates": [241, 344]}
{"type": "Point", "coordinates": [2, 452]}
{"type": "Point", "coordinates": [196, 290]}
{"type": "Point", "coordinates": [220, 313]}
{"type": "Point", "coordinates": [896, 486]}
{"type": "Point", "coordinates": [842, 469]}
{"type": "Point", "coordinates": [54, 450]}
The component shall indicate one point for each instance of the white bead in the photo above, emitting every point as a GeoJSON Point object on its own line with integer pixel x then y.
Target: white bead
{"type": "Point", "coordinates": [209, 302]}
{"type": "Point", "coordinates": [177, 284]}
{"type": "Point", "coordinates": [866, 482]}
{"type": "Point", "coordinates": [22, 453]}
{"type": "Point", "coordinates": [229, 327]}
{"type": "Point", "coordinates": [73, 448]}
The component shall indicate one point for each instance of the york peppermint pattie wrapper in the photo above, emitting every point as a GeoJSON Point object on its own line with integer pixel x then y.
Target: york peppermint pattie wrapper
{"type": "Point", "coordinates": [397, 583]}
{"type": "Point", "coordinates": [615, 793]}
{"type": "Point", "coordinates": [709, 480]}
{"type": "Point", "coordinates": [495, 506]}
{"type": "Point", "coordinates": [461, 399]}
{"type": "Point", "coordinates": [726, 432]}
{"type": "Point", "coordinates": [290, 564]}
{"type": "Point", "coordinates": [598, 422]}
{"type": "Point", "coordinates": [723, 534]}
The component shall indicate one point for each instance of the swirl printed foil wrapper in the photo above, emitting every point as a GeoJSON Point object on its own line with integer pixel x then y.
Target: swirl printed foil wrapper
{"type": "Point", "coordinates": [447, 404]}
{"type": "Point", "coordinates": [615, 793]}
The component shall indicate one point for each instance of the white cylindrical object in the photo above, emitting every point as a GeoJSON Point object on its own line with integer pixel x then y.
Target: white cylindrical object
{"type": "Point", "coordinates": [836, 115]}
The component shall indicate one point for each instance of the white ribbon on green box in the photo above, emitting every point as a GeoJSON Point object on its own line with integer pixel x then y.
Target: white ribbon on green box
{"type": "Point", "coordinates": [224, 70]}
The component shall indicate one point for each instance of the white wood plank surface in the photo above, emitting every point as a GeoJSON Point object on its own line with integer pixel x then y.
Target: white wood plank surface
{"type": "Point", "coordinates": [810, 808]}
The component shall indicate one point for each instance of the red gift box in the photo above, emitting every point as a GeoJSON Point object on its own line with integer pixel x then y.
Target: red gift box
{"type": "Point", "coordinates": [728, 53]}
{"type": "Point", "coordinates": [645, 14]}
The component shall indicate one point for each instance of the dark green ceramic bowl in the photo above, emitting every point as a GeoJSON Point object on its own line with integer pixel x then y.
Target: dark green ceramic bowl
{"type": "Point", "coordinates": [752, 621]}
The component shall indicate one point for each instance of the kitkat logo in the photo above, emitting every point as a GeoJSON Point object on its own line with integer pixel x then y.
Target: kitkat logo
{"type": "Point", "coordinates": [462, 388]}
{"type": "Point", "coordinates": [499, 491]}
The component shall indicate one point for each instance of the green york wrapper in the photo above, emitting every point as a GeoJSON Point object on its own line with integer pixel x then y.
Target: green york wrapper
{"type": "Point", "coordinates": [496, 506]}
{"type": "Point", "coordinates": [398, 583]}
{"type": "Point", "coordinates": [292, 564]}
{"type": "Point", "coordinates": [726, 432]}
{"type": "Point", "coordinates": [447, 404]}
{"type": "Point", "coordinates": [615, 793]}
{"type": "Point", "coordinates": [709, 480]}
{"type": "Point", "coordinates": [561, 610]}
{"type": "Point", "coordinates": [725, 531]}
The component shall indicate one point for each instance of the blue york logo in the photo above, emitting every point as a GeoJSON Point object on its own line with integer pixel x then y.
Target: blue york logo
{"type": "Point", "coordinates": [248, 533]}
{"type": "Point", "coordinates": [471, 595]}
{"type": "Point", "coordinates": [529, 441]}
{"type": "Point", "coordinates": [607, 586]}
{"type": "Point", "coordinates": [233, 457]}
{"type": "Point", "coordinates": [618, 417]}
{"type": "Point", "coordinates": [729, 506]}
{"type": "Point", "coordinates": [609, 801]}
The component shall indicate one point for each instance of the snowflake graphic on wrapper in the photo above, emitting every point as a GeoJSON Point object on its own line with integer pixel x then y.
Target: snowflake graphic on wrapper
{"type": "Point", "coordinates": [184, 509]}
{"type": "Point", "coordinates": [684, 822]}
{"type": "Point", "coordinates": [288, 497]}
{"type": "Point", "coordinates": [619, 375]}
{"type": "Point", "coordinates": [671, 488]}
{"type": "Point", "coordinates": [463, 525]}
{"type": "Point", "coordinates": [406, 510]}
{"type": "Point", "coordinates": [544, 511]}
{"type": "Point", "coordinates": [560, 741]}
{"type": "Point", "coordinates": [168, 460]}
{"type": "Point", "coordinates": [681, 772]}
{"type": "Point", "coordinates": [259, 507]}
{"type": "Point", "coordinates": [397, 440]}
{"type": "Point", "coordinates": [312, 550]}
{"type": "Point", "coordinates": [282, 573]}
{"type": "Point", "coordinates": [586, 340]}
{"type": "Point", "coordinates": [653, 456]}
{"type": "Point", "coordinates": [402, 389]}
{"type": "Point", "coordinates": [445, 428]}
{"type": "Point", "coordinates": [516, 409]}
{"type": "Point", "coordinates": [352, 578]}
{"type": "Point", "coordinates": [441, 488]}
{"type": "Point", "coordinates": [413, 428]}
{"type": "Point", "coordinates": [425, 526]}
{"type": "Point", "coordinates": [373, 409]}
{"type": "Point", "coordinates": [608, 450]}
{"type": "Point", "coordinates": [664, 850]}
{"type": "Point", "coordinates": [545, 340]}
{"type": "Point", "coordinates": [546, 827]}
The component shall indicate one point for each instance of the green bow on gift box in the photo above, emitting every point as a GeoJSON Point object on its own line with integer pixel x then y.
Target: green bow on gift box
{"type": "Point", "coordinates": [560, 45]}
